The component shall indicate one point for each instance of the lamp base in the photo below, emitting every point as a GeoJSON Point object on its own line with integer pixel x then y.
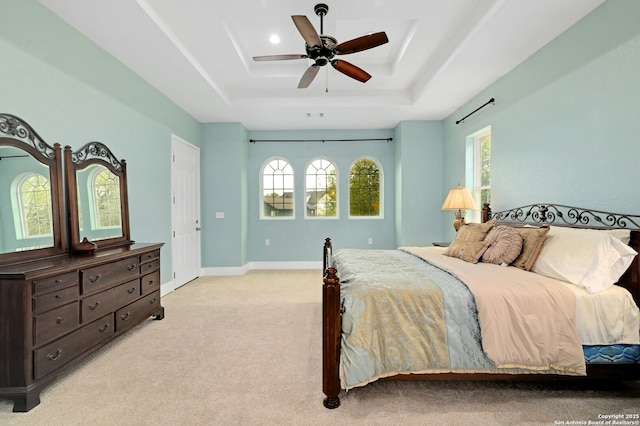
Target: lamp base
{"type": "Point", "coordinates": [459, 220]}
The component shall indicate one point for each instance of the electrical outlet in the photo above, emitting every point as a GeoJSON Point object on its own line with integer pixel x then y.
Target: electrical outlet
{"type": "Point", "coordinates": [267, 242]}
{"type": "Point", "coordinates": [370, 240]}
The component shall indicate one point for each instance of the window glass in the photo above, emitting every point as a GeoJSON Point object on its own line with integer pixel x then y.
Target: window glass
{"type": "Point", "coordinates": [482, 185]}
{"type": "Point", "coordinates": [35, 200]}
{"type": "Point", "coordinates": [365, 185]}
{"type": "Point", "coordinates": [106, 190]}
{"type": "Point", "coordinates": [321, 192]}
{"type": "Point", "coordinates": [277, 189]}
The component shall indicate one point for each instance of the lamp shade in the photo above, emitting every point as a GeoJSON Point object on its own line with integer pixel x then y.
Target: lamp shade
{"type": "Point", "coordinates": [459, 199]}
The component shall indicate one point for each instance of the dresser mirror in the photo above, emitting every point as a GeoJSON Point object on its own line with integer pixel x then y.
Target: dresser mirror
{"type": "Point", "coordinates": [96, 197]}
{"type": "Point", "coordinates": [31, 224]}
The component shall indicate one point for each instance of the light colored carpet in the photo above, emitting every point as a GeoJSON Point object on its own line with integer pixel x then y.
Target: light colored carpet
{"type": "Point", "coordinates": [247, 351]}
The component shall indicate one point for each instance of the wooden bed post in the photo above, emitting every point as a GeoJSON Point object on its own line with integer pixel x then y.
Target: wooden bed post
{"type": "Point", "coordinates": [331, 331]}
{"type": "Point", "coordinates": [486, 213]}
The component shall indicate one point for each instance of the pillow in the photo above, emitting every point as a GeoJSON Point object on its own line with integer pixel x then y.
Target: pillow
{"type": "Point", "coordinates": [504, 244]}
{"type": "Point", "coordinates": [469, 243]}
{"type": "Point", "coordinates": [588, 258]}
{"type": "Point", "coordinates": [532, 240]}
{"type": "Point", "coordinates": [623, 235]}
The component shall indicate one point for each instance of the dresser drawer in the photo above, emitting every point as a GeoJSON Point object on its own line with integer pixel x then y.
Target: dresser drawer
{"type": "Point", "coordinates": [62, 296]}
{"type": "Point", "coordinates": [154, 265]}
{"type": "Point", "coordinates": [57, 354]}
{"type": "Point", "coordinates": [53, 324]}
{"type": "Point", "coordinates": [104, 276]}
{"type": "Point", "coordinates": [150, 283]}
{"type": "Point", "coordinates": [150, 256]}
{"type": "Point", "coordinates": [97, 305]}
{"type": "Point", "coordinates": [126, 293]}
{"type": "Point", "coordinates": [41, 285]}
{"type": "Point", "coordinates": [136, 312]}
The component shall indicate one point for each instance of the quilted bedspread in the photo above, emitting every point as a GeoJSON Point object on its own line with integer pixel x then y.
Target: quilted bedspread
{"type": "Point", "coordinates": [403, 314]}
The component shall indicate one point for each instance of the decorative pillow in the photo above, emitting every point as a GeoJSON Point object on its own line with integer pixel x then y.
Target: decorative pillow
{"type": "Point", "coordinates": [469, 243]}
{"type": "Point", "coordinates": [532, 240]}
{"type": "Point", "coordinates": [587, 258]}
{"type": "Point", "coordinates": [504, 244]}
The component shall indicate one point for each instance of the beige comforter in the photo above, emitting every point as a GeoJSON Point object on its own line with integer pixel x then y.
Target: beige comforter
{"type": "Point", "coordinates": [527, 320]}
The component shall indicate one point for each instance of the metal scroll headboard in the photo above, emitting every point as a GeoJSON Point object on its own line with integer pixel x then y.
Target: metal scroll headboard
{"type": "Point", "coordinates": [561, 215]}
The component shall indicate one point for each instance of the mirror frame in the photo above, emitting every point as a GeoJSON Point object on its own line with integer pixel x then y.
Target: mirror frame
{"type": "Point", "coordinates": [16, 132]}
{"type": "Point", "coordinates": [95, 153]}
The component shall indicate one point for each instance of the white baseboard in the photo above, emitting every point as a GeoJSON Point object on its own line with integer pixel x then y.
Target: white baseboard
{"type": "Point", "coordinates": [285, 265]}
{"type": "Point", "coordinates": [168, 287]}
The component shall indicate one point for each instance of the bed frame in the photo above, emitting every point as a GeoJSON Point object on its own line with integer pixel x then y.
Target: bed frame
{"type": "Point", "coordinates": [558, 215]}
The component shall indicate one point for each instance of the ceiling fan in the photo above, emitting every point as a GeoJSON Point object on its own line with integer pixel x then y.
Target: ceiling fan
{"type": "Point", "coordinates": [322, 49]}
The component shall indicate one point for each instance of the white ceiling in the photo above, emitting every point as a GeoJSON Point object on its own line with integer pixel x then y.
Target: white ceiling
{"type": "Point", "coordinates": [440, 54]}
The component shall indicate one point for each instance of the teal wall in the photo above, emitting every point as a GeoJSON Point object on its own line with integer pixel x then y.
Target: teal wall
{"type": "Point", "coordinates": [73, 92]}
{"type": "Point", "coordinates": [418, 169]}
{"type": "Point", "coordinates": [566, 122]}
{"type": "Point", "coordinates": [565, 129]}
{"type": "Point", "coordinates": [224, 190]}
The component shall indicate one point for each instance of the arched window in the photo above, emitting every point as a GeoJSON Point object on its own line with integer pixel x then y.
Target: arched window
{"type": "Point", "coordinates": [277, 189]}
{"type": "Point", "coordinates": [321, 189]}
{"type": "Point", "coordinates": [365, 188]}
{"type": "Point", "coordinates": [34, 201]}
{"type": "Point", "coordinates": [106, 199]}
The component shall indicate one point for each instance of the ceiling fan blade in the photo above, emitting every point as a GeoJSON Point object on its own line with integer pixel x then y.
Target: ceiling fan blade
{"type": "Point", "coordinates": [307, 31]}
{"type": "Point", "coordinates": [351, 70]}
{"type": "Point", "coordinates": [279, 57]}
{"type": "Point", "coordinates": [362, 43]}
{"type": "Point", "coordinates": [308, 76]}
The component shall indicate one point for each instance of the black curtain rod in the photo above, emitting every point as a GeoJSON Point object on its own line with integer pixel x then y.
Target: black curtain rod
{"type": "Point", "coordinates": [14, 156]}
{"type": "Point", "coordinates": [319, 140]}
{"type": "Point", "coordinates": [492, 100]}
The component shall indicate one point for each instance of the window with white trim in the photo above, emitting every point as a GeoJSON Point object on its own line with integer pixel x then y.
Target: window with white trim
{"type": "Point", "coordinates": [365, 188]}
{"type": "Point", "coordinates": [277, 197]}
{"type": "Point", "coordinates": [482, 167]}
{"type": "Point", "coordinates": [321, 189]}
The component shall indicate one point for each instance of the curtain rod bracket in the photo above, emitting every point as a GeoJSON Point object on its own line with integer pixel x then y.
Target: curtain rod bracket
{"type": "Point", "coordinates": [491, 101]}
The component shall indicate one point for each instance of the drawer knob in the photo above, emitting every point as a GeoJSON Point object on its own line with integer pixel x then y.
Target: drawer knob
{"type": "Point", "coordinates": [132, 290]}
{"type": "Point", "coordinates": [53, 357]}
{"type": "Point", "coordinates": [95, 279]}
{"type": "Point", "coordinates": [131, 267]}
{"type": "Point", "coordinates": [58, 296]}
{"type": "Point", "coordinates": [95, 305]}
{"type": "Point", "coordinates": [59, 320]}
{"type": "Point", "coordinates": [153, 301]}
{"type": "Point", "coordinates": [125, 317]}
{"type": "Point", "coordinates": [103, 329]}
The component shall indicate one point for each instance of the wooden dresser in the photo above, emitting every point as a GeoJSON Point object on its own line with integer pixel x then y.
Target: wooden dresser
{"type": "Point", "coordinates": [57, 310]}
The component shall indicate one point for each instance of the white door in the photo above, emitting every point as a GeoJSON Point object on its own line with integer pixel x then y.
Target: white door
{"type": "Point", "coordinates": [185, 211]}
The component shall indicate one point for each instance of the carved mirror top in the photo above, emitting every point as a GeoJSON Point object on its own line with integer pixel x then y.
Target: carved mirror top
{"type": "Point", "coordinates": [96, 198]}
{"type": "Point", "coordinates": [99, 152]}
{"type": "Point", "coordinates": [31, 209]}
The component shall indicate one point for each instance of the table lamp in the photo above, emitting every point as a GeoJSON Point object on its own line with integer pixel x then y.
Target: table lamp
{"type": "Point", "coordinates": [459, 199]}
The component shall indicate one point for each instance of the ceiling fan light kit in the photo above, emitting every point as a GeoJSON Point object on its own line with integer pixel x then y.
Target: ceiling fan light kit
{"type": "Point", "coordinates": [322, 49]}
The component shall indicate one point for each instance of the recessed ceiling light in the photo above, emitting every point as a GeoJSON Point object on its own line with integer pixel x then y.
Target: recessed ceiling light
{"type": "Point", "coordinates": [274, 39]}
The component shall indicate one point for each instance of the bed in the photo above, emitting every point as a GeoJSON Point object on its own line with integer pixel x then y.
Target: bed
{"type": "Point", "coordinates": [525, 295]}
